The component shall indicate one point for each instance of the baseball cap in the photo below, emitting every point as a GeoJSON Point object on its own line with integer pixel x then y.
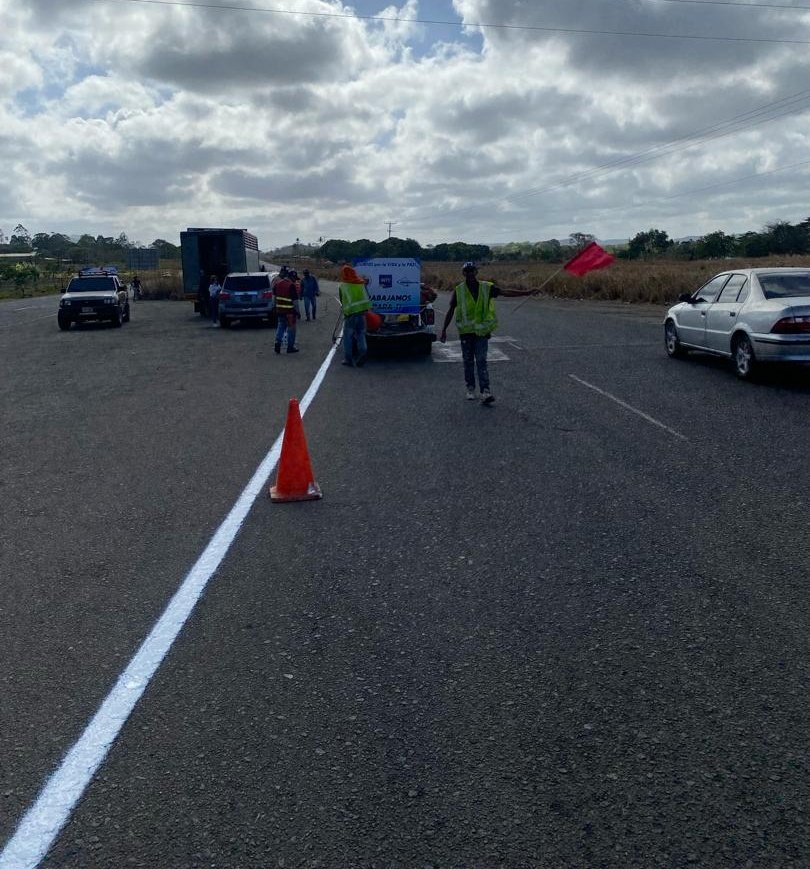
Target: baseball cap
{"type": "Point", "coordinates": [469, 265]}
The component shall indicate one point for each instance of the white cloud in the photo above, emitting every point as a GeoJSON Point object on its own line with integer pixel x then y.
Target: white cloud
{"type": "Point", "coordinates": [147, 118]}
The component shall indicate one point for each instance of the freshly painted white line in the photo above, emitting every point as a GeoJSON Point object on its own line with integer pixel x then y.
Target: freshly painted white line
{"type": "Point", "coordinates": [45, 818]}
{"type": "Point", "coordinates": [450, 351]}
{"type": "Point", "coordinates": [629, 407]}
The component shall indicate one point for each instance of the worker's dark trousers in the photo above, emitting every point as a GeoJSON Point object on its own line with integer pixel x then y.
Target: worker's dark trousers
{"type": "Point", "coordinates": [474, 352]}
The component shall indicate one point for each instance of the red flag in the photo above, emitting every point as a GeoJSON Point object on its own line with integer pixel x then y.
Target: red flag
{"type": "Point", "coordinates": [589, 258]}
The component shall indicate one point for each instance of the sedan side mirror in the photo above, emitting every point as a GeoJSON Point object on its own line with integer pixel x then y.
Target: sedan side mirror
{"type": "Point", "coordinates": [685, 297]}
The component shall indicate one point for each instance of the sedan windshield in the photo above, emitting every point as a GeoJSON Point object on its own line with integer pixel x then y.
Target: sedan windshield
{"type": "Point", "coordinates": [247, 282]}
{"type": "Point", "coordinates": [782, 286]}
{"type": "Point", "coordinates": [91, 285]}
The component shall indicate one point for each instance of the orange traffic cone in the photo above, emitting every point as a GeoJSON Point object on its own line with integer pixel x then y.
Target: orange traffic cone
{"type": "Point", "coordinates": [295, 480]}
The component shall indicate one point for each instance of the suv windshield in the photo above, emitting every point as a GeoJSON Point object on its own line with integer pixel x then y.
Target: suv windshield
{"type": "Point", "coordinates": [90, 285]}
{"type": "Point", "coordinates": [777, 286]}
{"type": "Point", "coordinates": [240, 283]}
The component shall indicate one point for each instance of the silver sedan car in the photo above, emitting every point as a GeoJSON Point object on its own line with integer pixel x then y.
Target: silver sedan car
{"type": "Point", "coordinates": [748, 315]}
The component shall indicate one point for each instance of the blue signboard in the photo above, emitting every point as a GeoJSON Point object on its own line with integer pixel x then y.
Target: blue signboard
{"type": "Point", "coordinates": [393, 283]}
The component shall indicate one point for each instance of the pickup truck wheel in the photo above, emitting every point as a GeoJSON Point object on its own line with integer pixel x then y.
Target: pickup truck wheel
{"type": "Point", "coordinates": [64, 322]}
{"type": "Point", "coordinates": [126, 313]}
{"type": "Point", "coordinates": [118, 319]}
{"type": "Point", "coordinates": [426, 347]}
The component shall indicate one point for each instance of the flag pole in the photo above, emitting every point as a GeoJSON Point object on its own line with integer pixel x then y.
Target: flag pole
{"type": "Point", "coordinates": [535, 292]}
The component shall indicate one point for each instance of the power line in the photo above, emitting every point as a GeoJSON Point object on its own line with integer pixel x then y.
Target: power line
{"type": "Point", "coordinates": [576, 31]}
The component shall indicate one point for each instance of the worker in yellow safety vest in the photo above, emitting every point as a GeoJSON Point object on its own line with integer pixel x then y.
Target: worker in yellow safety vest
{"type": "Point", "coordinates": [354, 302]}
{"type": "Point", "coordinates": [473, 303]}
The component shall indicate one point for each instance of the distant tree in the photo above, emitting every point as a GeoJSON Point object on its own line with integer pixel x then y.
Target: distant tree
{"type": "Point", "coordinates": [399, 247]}
{"type": "Point", "coordinates": [786, 238]}
{"type": "Point", "coordinates": [753, 244]}
{"type": "Point", "coordinates": [458, 251]}
{"type": "Point", "coordinates": [20, 241]}
{"type": "Point", "coordinates": [166, 250]}
{"type": "Point", "coordinates": [652, 242]}
{"type": "Point", "coordinates": [581, 239]}
{"type": "Point", "coordinates": [548, 251]}
{"type": "Point", "coordinates": [715, 245]}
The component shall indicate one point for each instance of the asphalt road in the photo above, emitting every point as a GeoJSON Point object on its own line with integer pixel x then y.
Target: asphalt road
{"type": "Point", "coordinates": [568, 630]}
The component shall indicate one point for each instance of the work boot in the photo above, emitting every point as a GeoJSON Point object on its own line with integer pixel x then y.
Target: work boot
{"type": "Point", "coordinates": [487, 397]}
{"type": "Point", "coordinates": [292, 349]}
{"type": "Point", "coordinates": [277, 347]}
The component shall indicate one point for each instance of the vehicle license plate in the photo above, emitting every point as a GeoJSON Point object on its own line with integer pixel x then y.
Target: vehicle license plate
{"type": "Point", "coordinates": [88, 310]}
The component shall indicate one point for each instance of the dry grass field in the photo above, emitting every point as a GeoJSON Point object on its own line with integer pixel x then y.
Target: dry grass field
{"type": "Point", "coordinates": [655, 282]}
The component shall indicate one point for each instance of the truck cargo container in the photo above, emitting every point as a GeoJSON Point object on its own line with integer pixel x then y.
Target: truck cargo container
{"type": "Point", "coordinates": [208, 251]}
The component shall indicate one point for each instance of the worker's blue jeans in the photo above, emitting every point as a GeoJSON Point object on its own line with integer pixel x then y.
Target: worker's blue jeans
{"type": "Point", "coordinates": [286, 323]}
{"type": "Point", "coordinates": [474, 353]}
{"type": "Point", "coordinates": [309, 306]}
{"type": "Point", "coordinates": [354, 329]}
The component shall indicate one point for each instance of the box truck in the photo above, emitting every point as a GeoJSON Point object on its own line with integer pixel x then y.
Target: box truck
{"type": "Point", "coordinates": [209, 251]}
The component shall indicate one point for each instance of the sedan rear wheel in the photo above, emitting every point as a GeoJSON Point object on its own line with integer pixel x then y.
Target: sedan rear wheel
{"type": "Point", "coordinates": [674, 347]}
{"type": "Point", "coordinates": [743, 356]}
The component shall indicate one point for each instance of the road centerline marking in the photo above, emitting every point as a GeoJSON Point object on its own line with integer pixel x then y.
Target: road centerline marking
{"type": "Point", "coordinates": [629, 407]}
{"type": "Point", "coordinates": [45, 818]}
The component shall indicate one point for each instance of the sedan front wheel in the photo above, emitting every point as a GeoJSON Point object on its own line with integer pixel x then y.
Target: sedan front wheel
{"type": "Point", "coordinates": [743, 356]}
{"type": "Point", "coordinates": [674, 347]}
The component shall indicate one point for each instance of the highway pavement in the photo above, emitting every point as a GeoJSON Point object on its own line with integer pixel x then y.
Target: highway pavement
{"type": "Point", "coordinates": [571, 629]}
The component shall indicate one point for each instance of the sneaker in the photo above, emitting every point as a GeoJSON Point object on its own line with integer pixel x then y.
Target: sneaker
{"type": "Point", "coordinates": [470, 395]}
{"type": "Point", "coordinates": [361, 361]}
{"type": "Point", "coordinates": [277, 347]}
{"type": "Point", "coordinates": [487, 397]}
{"type": "Point", "coordinates": [292, 349]}
{"type": "Point", "coordinates": [346, 362]}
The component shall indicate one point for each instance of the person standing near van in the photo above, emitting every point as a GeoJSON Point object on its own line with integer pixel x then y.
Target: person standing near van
{"type": "Point", "coordinates": [354, 302]}
{"type": "Point", "coordinates": [310, 290]}
{"type": "Point", "coordinates": [214, 289]}
{"type": "Point", "coordinates": [285, 297]}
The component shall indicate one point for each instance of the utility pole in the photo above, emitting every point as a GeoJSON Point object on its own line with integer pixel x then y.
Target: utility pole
{"type": "Point", "coordinates": [389, 224]}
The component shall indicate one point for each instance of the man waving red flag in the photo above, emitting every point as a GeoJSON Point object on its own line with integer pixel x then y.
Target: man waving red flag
{"type": "Point", "coordinates": [591, 257]}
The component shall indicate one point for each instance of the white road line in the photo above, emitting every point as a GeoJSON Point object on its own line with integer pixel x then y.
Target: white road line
{"type": "Point", "coordinates": [26, 308]}
{"type": "Point", "coordinates": [628, 407]}
{"type": "Point", "coordinates": [51, 810]}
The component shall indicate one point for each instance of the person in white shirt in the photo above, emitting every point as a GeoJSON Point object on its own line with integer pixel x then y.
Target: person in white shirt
{"type": "Point", "coordinates": [213, 299]}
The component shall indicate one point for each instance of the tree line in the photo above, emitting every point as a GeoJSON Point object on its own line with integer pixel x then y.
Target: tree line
{"type": "Point", "coordinates": [780, 238]}
{"type": "Point", "coordinates": [337, 250]}
{"type": "Point", "coordinates": [87, 249]}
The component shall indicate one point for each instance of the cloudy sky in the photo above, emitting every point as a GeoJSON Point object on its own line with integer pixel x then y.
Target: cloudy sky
{"type": "Point", "coordinates": [475, 120]}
